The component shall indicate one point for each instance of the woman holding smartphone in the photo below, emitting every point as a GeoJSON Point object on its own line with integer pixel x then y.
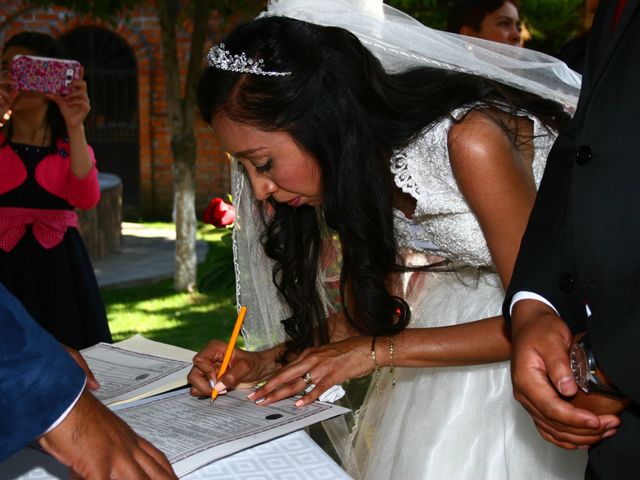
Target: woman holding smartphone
{"type": "Point", "coordinates": [47, 169]}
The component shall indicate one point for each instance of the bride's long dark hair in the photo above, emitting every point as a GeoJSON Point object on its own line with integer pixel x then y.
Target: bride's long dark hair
{"type": "Point", "coordinates": [341, 106]}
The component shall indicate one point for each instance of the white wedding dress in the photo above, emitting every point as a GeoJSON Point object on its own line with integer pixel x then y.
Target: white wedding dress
{"type": "Point", "coordinates": [452, 423]}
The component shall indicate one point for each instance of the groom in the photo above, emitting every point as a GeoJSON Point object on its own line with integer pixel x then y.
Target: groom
{"type": "Point", "coordinates": [578, 270]}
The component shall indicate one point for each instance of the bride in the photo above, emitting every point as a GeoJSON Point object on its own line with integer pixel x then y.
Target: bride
{"type": "Point", "coordinates": [407, 161]}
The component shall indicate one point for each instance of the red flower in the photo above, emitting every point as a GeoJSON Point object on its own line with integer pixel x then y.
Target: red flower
{"type": "Point", "coordinates": [219, 213]}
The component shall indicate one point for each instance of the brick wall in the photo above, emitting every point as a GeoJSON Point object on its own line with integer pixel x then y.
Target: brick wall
{"type": "Point", "coordinates": [141, 32]}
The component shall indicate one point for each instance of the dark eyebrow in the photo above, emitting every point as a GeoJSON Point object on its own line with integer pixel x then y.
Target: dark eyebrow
{"type": "Point", "coordinates": [246, 153]}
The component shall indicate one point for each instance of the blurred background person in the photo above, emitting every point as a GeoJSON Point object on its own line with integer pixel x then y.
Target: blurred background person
{"type": "Point", "coordinates": [46, 171]}
{"type": "Point", "coordinates": [495, 20]}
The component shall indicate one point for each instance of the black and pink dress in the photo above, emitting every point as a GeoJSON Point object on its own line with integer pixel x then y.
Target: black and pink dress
{"type": "Point", "coordinates": [43, 260]}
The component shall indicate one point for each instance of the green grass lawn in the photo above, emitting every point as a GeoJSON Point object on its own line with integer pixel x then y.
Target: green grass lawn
{"type": "Point", "coordinates": [158, 312]}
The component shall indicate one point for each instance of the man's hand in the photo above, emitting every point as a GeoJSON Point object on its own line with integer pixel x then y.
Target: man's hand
{"type": "Point", "coordinates": [97, 444]}
{"type": "Point", "coordinates": [542, 376]}
{"type": "Point", "coordinates": [595, 402]}
{"type": "Point", "coordinates": [599, 404]}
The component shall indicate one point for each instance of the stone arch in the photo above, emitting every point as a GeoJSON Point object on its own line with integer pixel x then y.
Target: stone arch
{"type": "Point", "coordinates": [112, 126]}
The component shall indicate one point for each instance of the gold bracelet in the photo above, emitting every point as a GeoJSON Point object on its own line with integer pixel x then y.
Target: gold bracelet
{"type": "Point", "coordinates": [392, 369]}
{"type": "Point", "coordinates": [376, 371]}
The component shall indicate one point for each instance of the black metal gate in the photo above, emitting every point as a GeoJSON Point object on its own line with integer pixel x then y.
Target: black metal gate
{"type": "Point", "coordinates": [112, 125]}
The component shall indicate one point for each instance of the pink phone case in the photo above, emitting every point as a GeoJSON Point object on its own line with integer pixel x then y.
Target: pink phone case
{"type": "Point", "coordinates": [45, 75]}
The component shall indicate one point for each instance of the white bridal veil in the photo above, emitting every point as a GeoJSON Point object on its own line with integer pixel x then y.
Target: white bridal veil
{"type": "Point", "coordinates": [400, 42]}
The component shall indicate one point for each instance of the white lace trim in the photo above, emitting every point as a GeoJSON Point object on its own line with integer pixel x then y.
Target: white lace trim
{"type": "Point", "coordinates": [442, 223]}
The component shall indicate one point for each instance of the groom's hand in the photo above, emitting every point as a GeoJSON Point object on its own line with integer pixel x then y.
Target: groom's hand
{"type": "Point", "coordinates": [599, 404]}
{"type": "Point", "coordinates": [95, 443]}
{"type": "Point", "coordinates": [542, 376]}
{"type": "Point", "coordinates": [594, 402]}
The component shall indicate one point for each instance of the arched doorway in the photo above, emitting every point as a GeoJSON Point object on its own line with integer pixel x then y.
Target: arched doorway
{"type": "Point", "coordinates": [110, 70]}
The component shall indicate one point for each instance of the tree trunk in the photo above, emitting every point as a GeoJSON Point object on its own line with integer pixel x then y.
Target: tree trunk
{"type": "Point", "coordinates": [185, 217]}
{"type": "Point", "coordinates": [183, 141]}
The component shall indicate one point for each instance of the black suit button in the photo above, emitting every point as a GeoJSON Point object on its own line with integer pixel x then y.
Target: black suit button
{"type": "Point", "coordinates": [583, 155]}
{"type": "Point", "coordinates": [566, 283]}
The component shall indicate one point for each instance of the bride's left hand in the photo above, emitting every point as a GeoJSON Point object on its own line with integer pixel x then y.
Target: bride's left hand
{"type": "Point", "coordinates": [328, 365]}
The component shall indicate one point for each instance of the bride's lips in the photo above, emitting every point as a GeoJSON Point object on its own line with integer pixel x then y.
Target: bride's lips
{"type": "Point", "coordinates": [295, 202]}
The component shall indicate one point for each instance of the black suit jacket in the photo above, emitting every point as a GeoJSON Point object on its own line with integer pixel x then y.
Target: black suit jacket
{"type": "Point", "coordinates": [582, 244]}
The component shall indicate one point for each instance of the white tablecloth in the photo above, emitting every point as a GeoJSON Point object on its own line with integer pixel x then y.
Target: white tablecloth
{"type": "Point", "coordinates": [292, 457]}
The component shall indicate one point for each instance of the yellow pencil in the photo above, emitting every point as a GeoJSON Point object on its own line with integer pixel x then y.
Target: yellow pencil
{"type": "Point", "coordinates": [230, 347]}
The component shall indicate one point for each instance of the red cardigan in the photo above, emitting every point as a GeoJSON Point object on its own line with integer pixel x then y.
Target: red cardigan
{"type": "Point", "coordinates": [53, 173]}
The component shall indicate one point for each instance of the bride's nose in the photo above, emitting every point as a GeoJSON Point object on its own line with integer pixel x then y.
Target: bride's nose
{"type": "Point", "coordinates": [263, 188]}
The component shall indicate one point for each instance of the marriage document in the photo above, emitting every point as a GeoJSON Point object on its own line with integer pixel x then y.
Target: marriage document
{"type": "Point", "coordinates": [193, 433]}
{"type": "Point", "coordinates": [137, 368]}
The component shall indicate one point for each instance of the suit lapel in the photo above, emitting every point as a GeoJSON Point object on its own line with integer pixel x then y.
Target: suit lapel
{"type": "Point", "coordinates": [618, 32]}
{"type": "Point", "coordinates": [604, 42]}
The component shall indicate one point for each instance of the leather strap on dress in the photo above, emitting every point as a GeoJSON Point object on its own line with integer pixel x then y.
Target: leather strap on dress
{"type": "Point", "coordinates": [48, 226]}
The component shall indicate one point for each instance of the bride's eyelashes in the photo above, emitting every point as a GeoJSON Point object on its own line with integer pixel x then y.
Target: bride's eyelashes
{"type": "Point", "coordinates": [265, 167]}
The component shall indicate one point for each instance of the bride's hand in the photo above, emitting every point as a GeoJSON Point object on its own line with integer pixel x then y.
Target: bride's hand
{"type": "Point", "coordinates": [245, 369]}
{"type": "Point", "coordinates": [327, 365]}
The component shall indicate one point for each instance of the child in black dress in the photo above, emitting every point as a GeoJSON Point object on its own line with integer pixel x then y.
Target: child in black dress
{"type": "Point", "coordinates": [46, 171]}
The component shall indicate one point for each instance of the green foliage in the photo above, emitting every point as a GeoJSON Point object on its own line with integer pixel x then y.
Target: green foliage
{"type": "Point", "coordinates": [98, 8]}
{"type": "Point", "coordinates": [430, 12]}
{"type": "Point", "coordinates": [109, 9]}
{"type": "Point", "coordinates": [218, 271]}
{"type": "Point", "coordinates": [243, 8]}
{"type": "Point", "coordinates": [551, 22]}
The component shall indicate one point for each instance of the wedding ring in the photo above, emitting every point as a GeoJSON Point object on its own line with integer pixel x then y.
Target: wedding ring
{"type": "Point", "coordinates": [307, 378]}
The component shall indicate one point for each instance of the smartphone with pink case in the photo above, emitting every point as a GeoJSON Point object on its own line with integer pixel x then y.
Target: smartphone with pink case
{"type": "Point", "coordinates": [45, 75]}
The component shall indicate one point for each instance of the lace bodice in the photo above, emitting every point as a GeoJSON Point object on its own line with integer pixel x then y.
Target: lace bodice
{"type": "Point", "coordinates": [442, 223]}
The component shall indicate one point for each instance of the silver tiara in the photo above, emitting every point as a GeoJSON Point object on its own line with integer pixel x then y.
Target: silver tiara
{"type": "Point", "coordinates": [223, 59]}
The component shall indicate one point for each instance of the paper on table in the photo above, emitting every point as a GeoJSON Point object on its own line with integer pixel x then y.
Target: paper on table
{"type": "Point", "coordinates": [192, 433]}
{"type": "Point", "coordinates": [293, 456]}
{"type": "Point", "coordinates": [138, 343]}
{"type": "Point", "coordinates": [137, 368]}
